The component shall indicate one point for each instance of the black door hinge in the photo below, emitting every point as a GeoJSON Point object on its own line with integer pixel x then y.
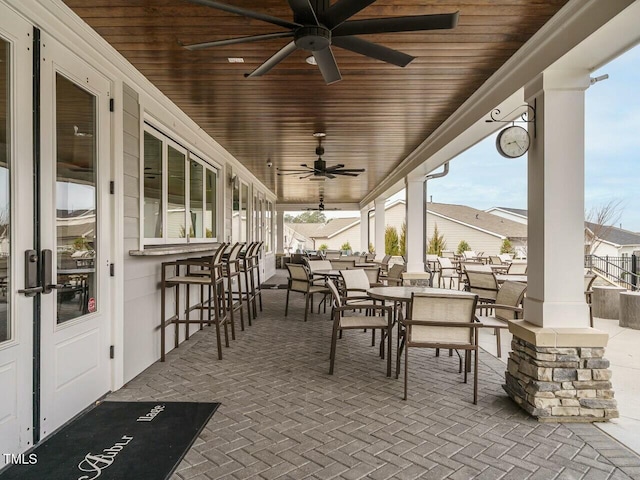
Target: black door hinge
{"type": "Point", "coordinates": [112, 351]}
{"type": "Point", "coordinates": [112, 270]}
{"type": "Point", "coordinates": [112, 187]}
{"type": "Point", "coordinates": [112, 105]}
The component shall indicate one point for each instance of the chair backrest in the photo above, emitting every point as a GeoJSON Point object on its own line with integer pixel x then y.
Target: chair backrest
{"type": "Point", "coordinates": [299, 277]}
{"type": "Point", "coordinates": [475, 266]}
{"type": "Point", "coordinates": [315, 265]}
{"type": "Point", "coordinates": [337, 301]}
{"type": "Point", "coordinates": [332, 254]}
{"type": "Point", "coordinates": [394, 277]}
{"type": "Point", "coordinates": [483, 284]}
{"type": "Point", "coordinates": [355, 279]}
{"type": "Point", "coordinates": [469, 254]}
{"type": "Point", "coordinates": [517, 268]}
{"type": "Point", "coordinates": [505, 257]}
{"type": "Point", "coordinates": [495, 260]}
{"type": "Point", "coordinates": [342, 264]}
{"type": "Point", "coordinates": [510, 294]}
{"type": "Point", "coordinates": [447, 254]}
{"type": "Point", "coordinates": [217, 256]}
{"type": "Point", "coordinates": [442, 307]}
{"type": "Point", "coordinates": [445, 262]}
{"type": "Point", "coordinates": [589, 278]}
{"type": "Point", "coordinates": [372, 273]}
{"type": "Point", "coordinates": [385, 260]}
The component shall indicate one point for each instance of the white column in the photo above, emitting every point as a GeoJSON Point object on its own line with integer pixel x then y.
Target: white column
{"type": "Point", "coordinates": [415, 243]}
{"type": "Point", "coordinates": [364, 229]}
{"type": "Point", "coordinates": [555, 250]}
{"type": "Point", "coordinates": [379, 236]}
{"type": "Point", "coordinates": [280, 232]}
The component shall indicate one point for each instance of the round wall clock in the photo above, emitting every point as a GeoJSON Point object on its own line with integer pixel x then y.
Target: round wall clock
{"type": "Point", "coordinates": [513, 142]}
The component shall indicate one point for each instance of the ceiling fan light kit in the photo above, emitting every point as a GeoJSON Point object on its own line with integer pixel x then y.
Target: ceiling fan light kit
{"type": "Point", "coordinates": [319, 26]}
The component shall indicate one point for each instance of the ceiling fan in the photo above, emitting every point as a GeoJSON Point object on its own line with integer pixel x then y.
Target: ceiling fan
{"type": "Point", "coordinates": [320, 171]}
{"type": "Point", "coordinates": [317, 25]}
{"type": "Point", "coordinates": [321, 207]}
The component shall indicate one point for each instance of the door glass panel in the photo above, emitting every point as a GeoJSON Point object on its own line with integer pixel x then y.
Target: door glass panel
{"type": "Point", "coordinates": [235, 213]}
{"type": "Point", "coordinates": [195, 199]}
{"type": "Point", "coordinates": [210, 203]}
{"type": "Point", "coordinates": [176, 194]}
{"type": "Point", "coordinates": [76, 180]}
{"type": "Point", "coordinates": [152, 186]}
{"type": "Point", "coordinates": [243, 213]}
{"type": "Point", "coordinates": [5, 196]}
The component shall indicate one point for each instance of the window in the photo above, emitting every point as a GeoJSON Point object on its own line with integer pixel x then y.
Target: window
{"type": "Point", "coordinates": [268, 239]}
{"type": "Point", "coordinates": [179, 193]}
{"type": "Point", "coordinates": [244, 207]}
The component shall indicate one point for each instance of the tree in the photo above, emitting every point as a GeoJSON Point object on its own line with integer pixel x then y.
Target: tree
{"type": "Point", "coordinates": [436, 242]}
{"type": "Point", "coordinates": [323, 247]}
{"type": "Point", "coordinates": [506, 246]}
{"type": "Point", "coordinates": [310, 217]}
{"type": "Point", "coordinates": [463, 246]}
{"type": "Point", "coordinates": [391, 243]}
{"type": "Point", "coordinates": [288, 218]}
{"type": "Point", "coordinates": [403, 238]}
{"type": "Point", "coordinates": [601, 219]}
{"type": "Point", "coordinates": [346, 246]}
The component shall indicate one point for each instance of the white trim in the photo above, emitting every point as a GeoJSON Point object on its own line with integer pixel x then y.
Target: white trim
{"type": "Point", "coordinates": [508, 212]}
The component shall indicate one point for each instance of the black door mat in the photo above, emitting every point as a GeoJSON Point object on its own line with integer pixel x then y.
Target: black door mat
{"type": "Point", "coordinates": [117, 440]}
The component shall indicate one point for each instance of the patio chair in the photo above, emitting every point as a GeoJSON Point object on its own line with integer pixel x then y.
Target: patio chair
{"type": "Point", "coordinates": [469, 254]}
{"type": "Point", "coordinates": [517, 268]}
{"type": "Point", "coordinates": [394, 277]}
{"type": "Point", "coordinates": [483, 284]}
{"type": "Point", "coordinates": [589, 278]}
{"type": "Point", "coordinates": [299, 281]}
{"type": "Point", "coordinates": [441, 320]}
{"type": "Point", "coordinates": [384, 264]}
{"type": "Point", "coordinates": [332, 254]}
{"type": "Point", "coordinates": [314, 266]}
{"type": "Point", "coordinates": [505, 257]}
{"type": "Point", "coordinates": [495, 260]}
{"type": "Point", "coordinates": [341, 322]}
{"type": "Point", "coordinates": [508, 306]}
{"type": "Point", "coordinates": [447, 254]}
{"type": "Point", "coordinates": [342, 264]}
{"type": "Point", "coordinates": [373, 274]}
{"type": "Point", "coordinates": [233, 274]}
{"type": "Point", "coordinates": [446, 269]}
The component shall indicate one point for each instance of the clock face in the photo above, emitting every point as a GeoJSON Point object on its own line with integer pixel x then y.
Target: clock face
{"type": "Point", "coordinates": [513, 142]}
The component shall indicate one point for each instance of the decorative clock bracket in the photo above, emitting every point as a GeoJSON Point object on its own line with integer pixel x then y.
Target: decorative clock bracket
{"type": "Point", "coordinates": [528, 116]}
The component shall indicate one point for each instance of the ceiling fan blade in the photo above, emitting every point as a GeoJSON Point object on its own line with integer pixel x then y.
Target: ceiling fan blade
{"type": "Point", "coordinates": [329, 176]}
{"type": "Point", "coordinates": [415, 23]}
{"type": "Point", "coordinates": [346, 174]}
{"type": "Point", "coordinates": [342, 10]}
{"type": "Point", "coordinates": [233, 41]}
{"type": "Point", "coordinates": [349, 170]}
{"type": "Point", "coordinates": [303, 12]}
{"type": "Point", "coordinates": [246, 13]}
{"type": "Point", "coordinates": [373, 50]}
{"type": "Point", "coordinates": [292, 170]}
{"type": "Point", "coordinates": [279, 56]}
{"type": "Point", "coordinates": [334, 167]}
{"type": "Point", "coordinates": [327, 65]}
{"type": "Point", "coordinates": [307, 176]}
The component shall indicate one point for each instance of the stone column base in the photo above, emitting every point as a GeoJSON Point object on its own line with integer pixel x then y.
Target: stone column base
{"type": "Point", "coordinates": [560, 383]}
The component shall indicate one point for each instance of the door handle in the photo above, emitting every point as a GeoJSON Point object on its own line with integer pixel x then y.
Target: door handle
{"type": "Point", "coordinates": [47, 271]}
{"type": "Point", "coordinates": [31, 286]}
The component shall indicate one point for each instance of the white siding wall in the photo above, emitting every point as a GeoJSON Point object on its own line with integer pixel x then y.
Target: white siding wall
{"type": "Point", "coordinates": [351, 235]}
{"type": "Point", "coordinates": [454, 232]}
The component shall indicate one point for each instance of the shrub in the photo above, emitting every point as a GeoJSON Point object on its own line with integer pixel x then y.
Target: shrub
{"type": "Point", "coordinates": [463, 246]}
{"type": "Point", "coordinates": [371, 249]}
{"type": "Point", "coordinates": [436, 242]}
{"type": "Point", "coordinates": [323, 247]}
{"type": "Point", "coordinates": [391, 241]}
{"type": "Point", "coordinates": [346, 246]}
{"type": "Point", "coordinates": [403, 239]}
{"type": "Point", "coordinates": [506, 246]}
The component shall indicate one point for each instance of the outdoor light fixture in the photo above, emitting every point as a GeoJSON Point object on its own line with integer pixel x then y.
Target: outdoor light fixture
{"type": "Point", "coordinates": [311, 60]}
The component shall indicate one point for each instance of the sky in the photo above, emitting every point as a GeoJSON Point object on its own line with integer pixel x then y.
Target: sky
{"type": "Point", "coordinates": [482, 179]}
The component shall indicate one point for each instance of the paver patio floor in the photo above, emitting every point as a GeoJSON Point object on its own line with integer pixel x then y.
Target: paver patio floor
{"type": "Point", "coordinates": [283, 416]}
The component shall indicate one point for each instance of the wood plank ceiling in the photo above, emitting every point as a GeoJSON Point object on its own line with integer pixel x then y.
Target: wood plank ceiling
{"type": "Point", "coordinates": [373, 118]}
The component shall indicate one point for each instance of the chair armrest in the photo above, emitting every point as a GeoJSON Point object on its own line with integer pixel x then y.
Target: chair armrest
{"type": "Point", "coordinates": [344, 308]}
{"type": "Point", "coordinates": [428, 323]}
{"type": "Point", "coordinates": [497, 305]}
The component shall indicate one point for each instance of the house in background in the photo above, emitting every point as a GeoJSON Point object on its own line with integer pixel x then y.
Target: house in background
{"type": "Point", "coordinates": [483, 231]}
{"type": "Point", "coordinates": [610, 241]}
{"type": "Point", "coordinates": [297, 236]}
{"type": "Point", "coordinates": [515, 214]}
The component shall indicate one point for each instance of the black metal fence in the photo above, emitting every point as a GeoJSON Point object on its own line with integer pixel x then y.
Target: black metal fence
{"type": "Point", "coordinates": [625, 271]}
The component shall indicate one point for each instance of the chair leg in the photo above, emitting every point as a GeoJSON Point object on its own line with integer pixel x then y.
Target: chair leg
{"type": "Point", "coordinates": [475, 377]}
{"type": "Point", "coordinates": [499, 347]}
{"type": "Point", "coordinates": [373, 337]}
{"type": "Point", "coordinates": [286, 305]}
{"type": "Point", "coordinates": [466, 362]}
{"type": "Point", "coordinates": [389, 334]}
{"type": "Point", "coordinates": [332, 355]}
{"type": "Point", "coordinates": [406, 370]}
{"type": "Point", "coordinates": [306, 305]}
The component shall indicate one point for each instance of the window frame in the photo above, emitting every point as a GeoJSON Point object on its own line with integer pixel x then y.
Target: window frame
{"type": "Point", "coordinates": [189, 156]}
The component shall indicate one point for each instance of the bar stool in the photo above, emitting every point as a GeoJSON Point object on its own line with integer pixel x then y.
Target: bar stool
{"type": "Point", "coordinates": [255, 267]}
{"type": "Point", "coordinates": [246, 260]}
{"type": "Point", "coordinates": [200, 272]}
{"type": "Point", "coordinates": [231, 269]}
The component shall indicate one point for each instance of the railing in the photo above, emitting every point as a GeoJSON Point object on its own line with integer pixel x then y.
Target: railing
{"type": "Point", "coordinates": [625, 271]}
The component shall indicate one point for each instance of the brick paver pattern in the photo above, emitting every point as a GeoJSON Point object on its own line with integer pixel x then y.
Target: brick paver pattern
{"type": "Point", "coordinates": [283, 416]}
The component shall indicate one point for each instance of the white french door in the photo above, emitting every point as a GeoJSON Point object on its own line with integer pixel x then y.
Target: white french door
{"type": "Point", "coordinates": [55, 318]}
{"type": "Point", "coordinates": [16, 233]}
{"type": "Point", "coordinates": [75, 213]}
